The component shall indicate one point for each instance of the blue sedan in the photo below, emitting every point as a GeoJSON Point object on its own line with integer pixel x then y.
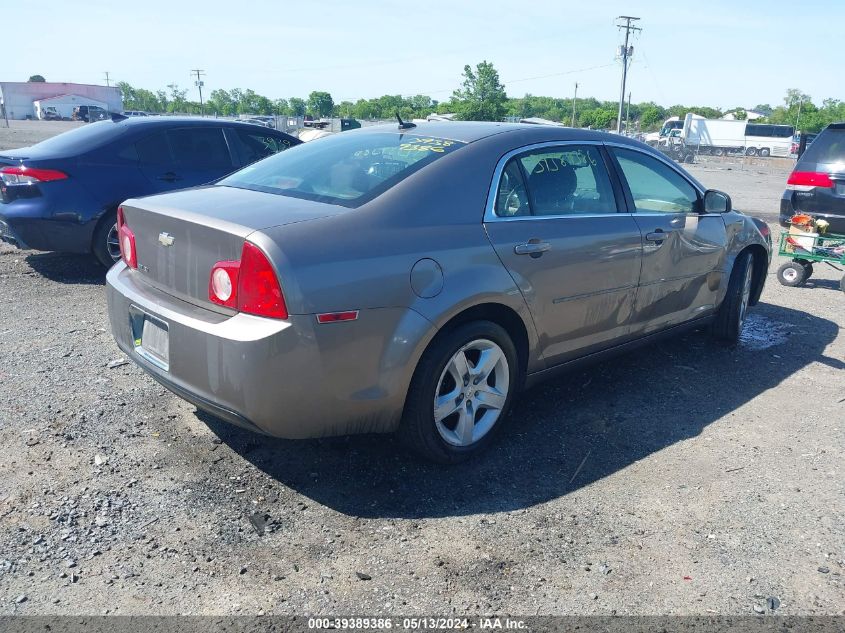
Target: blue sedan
{"type": "Point", "coordinates": [62, 194]}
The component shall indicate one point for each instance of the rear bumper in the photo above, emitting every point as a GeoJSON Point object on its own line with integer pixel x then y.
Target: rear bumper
{"type": "Point", "coordinates": [293, 379]}
{"type": "Point", "coordinates": [10, 236]}
{"type": "Point", "coordinates": [837, 222]}
{"type": "Point", "coordinates": [30, 224]}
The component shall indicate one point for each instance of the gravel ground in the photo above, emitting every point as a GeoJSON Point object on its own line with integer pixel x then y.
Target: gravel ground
{"type": "Point", "coordinates": [685, 478]}
{"type": "Point", "coordinates": [26, 133]}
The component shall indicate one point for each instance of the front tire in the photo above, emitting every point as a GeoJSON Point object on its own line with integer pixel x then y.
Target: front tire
{"type": "Point", "coordinates": [731, 314]}
{"type": "Point", "coordinates": [106, 244]}
{"type": "Point", "coordinates": [461, 392]}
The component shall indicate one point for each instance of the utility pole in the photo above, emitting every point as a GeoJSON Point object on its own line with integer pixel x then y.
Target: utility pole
{"type": "Point", "coordinates": [574, 97]}
{"type": "Point", "coordinates": [199, 83]}
{"type": "Point", "coordinates": [798, 118]}
{"type": "Point", "coordinates": [628, 115]}
{"type": "Point", "coordinates": [107, 78]}
{"type": "Point", "coordinates": [626, 53]}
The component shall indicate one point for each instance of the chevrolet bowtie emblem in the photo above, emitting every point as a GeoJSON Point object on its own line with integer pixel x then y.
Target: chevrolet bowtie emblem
{"type": "Point", "coordinates": [165, 239]}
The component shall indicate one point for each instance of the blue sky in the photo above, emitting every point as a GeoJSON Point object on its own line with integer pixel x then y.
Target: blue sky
{"type": "Point", "coordinates": [720, 53]}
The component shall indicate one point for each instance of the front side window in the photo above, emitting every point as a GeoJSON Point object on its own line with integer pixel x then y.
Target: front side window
{"type": "Point", "coordinates": [568, 180]}
{"type": "Point", "coordinates": [345, 169]}
{"type": "Point", "coordinates": [655, 187]}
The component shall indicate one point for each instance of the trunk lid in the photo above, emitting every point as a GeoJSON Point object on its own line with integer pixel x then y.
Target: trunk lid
{"type": "Point", "coordinates": [180, 236]}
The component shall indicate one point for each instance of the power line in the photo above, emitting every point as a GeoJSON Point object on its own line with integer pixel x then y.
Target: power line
{"type": "Point", "coordinates": [625, 52]}
{"type": "Point", "coordinates": [199, 83]}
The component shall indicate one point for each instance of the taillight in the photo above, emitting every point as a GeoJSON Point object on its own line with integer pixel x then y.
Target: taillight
{"type": "Point", "coordinates": [807, 180]}
{"type": "Point", "coordinates": [249, 285]}
{"type": "Point", "coordinates": [20, 175]}
{"type": "Point", "coordinates": [127, 241]}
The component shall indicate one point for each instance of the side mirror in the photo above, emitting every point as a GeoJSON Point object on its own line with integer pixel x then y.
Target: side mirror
{"type": "Point", "coordinates": [716, 201]}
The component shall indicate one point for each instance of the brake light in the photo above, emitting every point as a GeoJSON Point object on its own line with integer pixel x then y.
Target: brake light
{"type": "Point", "coordinates": [249, 285]}
{"type": "Point", "coordinates": [807, 180]}
{"type": "Point", "coordinates": [21, 175]}
{"type": "Point", "coordinates": [127, 241]}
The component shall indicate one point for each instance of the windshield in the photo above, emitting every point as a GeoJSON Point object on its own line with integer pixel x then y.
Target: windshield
{"type": "Point", "coordinates": [81, 139]}
{"type": "Point", "coordinates": [669, 126]}
{"type": "Point", "coordinates": [346, 169]}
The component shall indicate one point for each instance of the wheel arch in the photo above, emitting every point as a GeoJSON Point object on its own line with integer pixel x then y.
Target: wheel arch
{"type": "Point", "coordinates": [760, 260]}
{"type": "Point", "coordinates": [107, 212]}
{"type": "Point", "coordinates": [503, 316]}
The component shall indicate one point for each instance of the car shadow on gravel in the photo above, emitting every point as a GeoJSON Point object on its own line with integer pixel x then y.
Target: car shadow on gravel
{"type": "Point", "coordinates": [564, 434]}
{"type": "Point", "coordinates": [68, 269]}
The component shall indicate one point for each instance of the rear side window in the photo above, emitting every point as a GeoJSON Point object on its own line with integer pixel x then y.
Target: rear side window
{"type": "Point", "coordinates": [828, 147]}
{"type": "Point", "coordinates": [345, 169]}
{"type": "Point", "coordinates": [252, 146]}
{"type": "Point", "coordinates": [655, 187]}
{"type": "Point", "coordinates": [512, 197]}
{"type": "Point", "coordinates": [154, 150]}
{"type": "Point", "coordinates": [569, 180]}
{"type": "Point", "coordinates": [200, 148]}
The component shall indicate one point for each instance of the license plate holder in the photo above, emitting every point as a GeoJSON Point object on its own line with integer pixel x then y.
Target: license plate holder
{"type": "Point", "coordinates": [151, 338]}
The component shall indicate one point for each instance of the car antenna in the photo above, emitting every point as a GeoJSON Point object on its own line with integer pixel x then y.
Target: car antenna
{"type": "Point", "coordinates": [403, 125]}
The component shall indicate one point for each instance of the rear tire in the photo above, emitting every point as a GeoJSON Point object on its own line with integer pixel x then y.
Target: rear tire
{"type": "Point", "coordinates": [718, 151]}
{"type": "Point", "coordinates": [474, 405]}
{"type": "Point", "coordinates": [792, 274]}
{"type": "Point", "coordinates": [751, 151]}
{"type": "Point", "coordinates": [106, 245]}
{"type": "Point", "coordinates": [730, 317]}
{"type": "Point", "coordinates": [764, 152]}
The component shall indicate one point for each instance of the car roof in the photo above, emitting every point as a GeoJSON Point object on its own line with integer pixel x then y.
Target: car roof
{"type": "Point", "coordinates": [470, 131]}
{"type": "Point", "coordinates": [168, 121]}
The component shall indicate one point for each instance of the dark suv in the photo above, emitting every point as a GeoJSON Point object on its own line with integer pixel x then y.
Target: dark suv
{"type": "Point", "coordinates": [62, 194]}
{"type": "Point", "coordinates": [89, 113]}
{"type": "Point", "coordinates": [817, 185]}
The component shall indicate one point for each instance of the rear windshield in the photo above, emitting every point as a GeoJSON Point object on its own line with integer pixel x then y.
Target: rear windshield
{"type": "Point", "coordinates": [81, 139]}
{"type": "Point", "coordinates": [346, 169]}
{"type": "Point", "coordinates": [828, 147]}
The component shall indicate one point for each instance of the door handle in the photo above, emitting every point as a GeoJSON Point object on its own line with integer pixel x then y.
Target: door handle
{"type": "Point", "coordinates": [169, 177]}
{"type": "Point", "coordinates": [658, 236]}
{"type": "Point", "coordinates": [533, 248]}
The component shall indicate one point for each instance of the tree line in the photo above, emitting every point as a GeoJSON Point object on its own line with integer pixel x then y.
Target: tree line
{"type": "Point", "coordinates": [481, 96]}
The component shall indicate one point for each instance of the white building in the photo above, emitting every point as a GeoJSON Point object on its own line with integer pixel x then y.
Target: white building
{"type": "Point", "coordinates": [19, 98]}
{"type": "Point", "coordinates": [64, 105]}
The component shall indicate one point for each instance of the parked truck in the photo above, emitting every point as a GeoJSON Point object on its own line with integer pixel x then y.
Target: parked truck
{"type": "Point", "coordinates": [656, 139]}
{"type": "Point", "coordinates": [718, 137]}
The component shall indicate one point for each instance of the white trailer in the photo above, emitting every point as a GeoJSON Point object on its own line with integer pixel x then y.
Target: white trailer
{"type": "Point", "coordinates": [713, 136]}
{"type": "Point", "coordinates": [726, 136]}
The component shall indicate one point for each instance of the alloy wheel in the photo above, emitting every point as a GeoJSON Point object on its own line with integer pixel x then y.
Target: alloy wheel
{"type": "Point", "coordinates": [113, 243]}
{"type": "Point", "coordinates": [471, 393]}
